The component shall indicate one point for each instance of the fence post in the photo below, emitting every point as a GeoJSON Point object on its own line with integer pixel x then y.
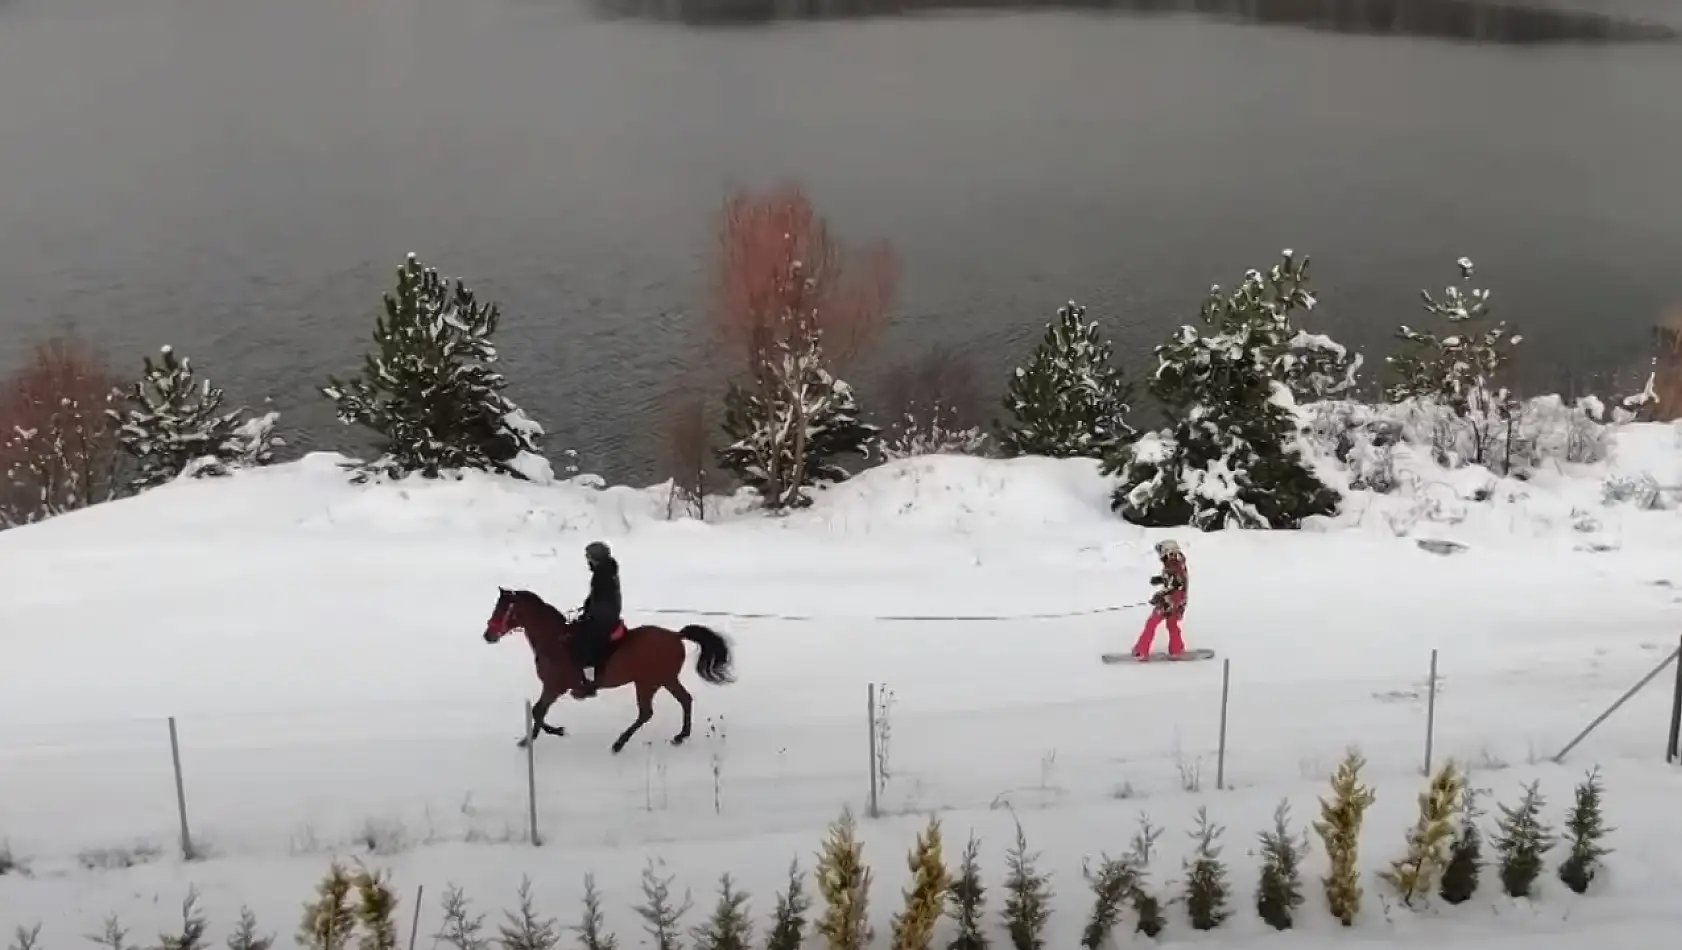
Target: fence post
{"type": "Point", "coordinates": [180, 792]}
{"type": "Point", "coordinates": [1431, 713]}
{"type": "Point", "coordinates": [414, 924]}
{"type": "Point", "coordinates": [531, 775]}
{"type": "Point", "coordinates": [1673, 752]}
{"type": "Point", "coordinates": [1220, 750]}
{"type": "Point", "coordinates": [870, 719]}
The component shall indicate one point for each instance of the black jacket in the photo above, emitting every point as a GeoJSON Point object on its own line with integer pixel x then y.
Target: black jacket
{"type": "Point", "coordinates": [602, 606]}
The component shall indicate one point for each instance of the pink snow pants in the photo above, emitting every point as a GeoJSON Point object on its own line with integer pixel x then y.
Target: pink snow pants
{"type": "Point", "coordinates": [1176, 646]}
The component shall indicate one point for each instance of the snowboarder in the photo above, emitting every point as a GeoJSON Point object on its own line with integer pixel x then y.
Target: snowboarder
{"type": "Point", "coordinates": [1168, 603]}
{"type": "Point", "coordinates": [599, 623]}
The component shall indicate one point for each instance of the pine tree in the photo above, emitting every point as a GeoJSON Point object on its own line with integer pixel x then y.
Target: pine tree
{"type": "Point", "coordinates": [1465, 858]}
{"type": "Point", "coordinates": [523, 929]}
{"type": "Point", "coordinates": [1428, 841]}
{"type": "Point", "coordinates": [1585, 826]}
{"type": "Point", "coordinates": [788, 926]}
{"type": "Point", "coordinates": [1279, 892]}
{"type": "Point", "coordinates": [1111, 884]}
{"type": "Point", "coordinates": [844, 883]}
{"type": "Point", "coordinates": [591, 929]}
{"type": "Point", "coordinates": [431, 391]}
{"type": "Point", "coordinates": [1027, 897]}
{"type": "Point", "coordinates": [780, 467]}
{"type": "Point", "coordinates": [113, 936]}
{"type": "Point", "coordinates": [1206, 889]}
{"type": "Point", "coordinates": [462, 929]}
{"type": "Point", "coordinates": [172, 423]}
{"type": "Point", "coordinates": [913, 928]}
{"type": "Point", "coordinates": [661, 917]}
{"type": "Point", "coordinates": [1232, 457]}
{"type": "Point", "coordinates": [193, 927]}
{"type": "Point", "coordinates": [375, 911]}
{"type": "Point", "coordinates": [330, 920]}
{"type": "Point", "coordinates": [1069, 401]}
{"type": "Point", "coordinates": [25, 938]}
{"type": "Point", "coordinates": [1339, 828]}
{"type": "Point", "coordinates": [967, 899]}
{"type": "Point", "coordinates": [1147, 906]}
{"type": "Point", "coordinates": [245, 935]}
{"type": "Point", "coordinates": [729, 927]}
{"type": "Point", "coordinates": [1522, 842]}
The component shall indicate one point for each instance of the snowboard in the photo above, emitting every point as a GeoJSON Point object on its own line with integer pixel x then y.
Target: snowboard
{"type": "Point", "coordinates": [1159, 656]}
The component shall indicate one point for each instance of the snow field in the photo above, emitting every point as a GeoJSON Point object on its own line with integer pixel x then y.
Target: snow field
{"type": "Point", "coordinates": [319, 645]}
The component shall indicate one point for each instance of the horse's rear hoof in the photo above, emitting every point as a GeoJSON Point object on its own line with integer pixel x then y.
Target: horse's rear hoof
{"type": "Point", "coordinates": [522, 743]}
{"type": "Point", "coordinates": [679, 740]}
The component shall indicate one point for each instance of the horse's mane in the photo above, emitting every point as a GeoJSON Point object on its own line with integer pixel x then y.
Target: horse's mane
{"type": "Point", "coordinates": [545, 609]}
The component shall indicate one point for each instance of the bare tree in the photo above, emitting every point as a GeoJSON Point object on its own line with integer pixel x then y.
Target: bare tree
{"type": "Point", "coordinates": [58, 446]}
{"type": "Point", "coordinates": [793, 305]}
{"type": "Point", "coordinates": [935, 406]}
{"type": "Point", "coordinates": [687, 456]}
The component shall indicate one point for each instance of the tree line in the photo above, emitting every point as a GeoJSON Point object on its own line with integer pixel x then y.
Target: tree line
{"type": "Point", "coordinates": [794, 308]}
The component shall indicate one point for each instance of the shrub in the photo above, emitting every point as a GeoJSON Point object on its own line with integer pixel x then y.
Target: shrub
{"type": "Point", "coordinates": [1339, 828]}
{"type": "Point", "coordinates": [58, 446]}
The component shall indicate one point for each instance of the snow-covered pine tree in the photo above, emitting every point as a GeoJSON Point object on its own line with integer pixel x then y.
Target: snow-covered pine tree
{"type": "Point", "coordinates": [1069, 401]}
{"type": "Point", "coordinates": [788, 922]}
{"type": "Point", "coordinates": [1206, 888]}
{"type": "Point", "coordinates": [790, 429]}
{"type": "Point", "coordinates": [1232, 457]}
{"type": "Point", "coordinates": [1111, 883]}
{"type": "Point", "coordinates": [1339, 828]}
{"type": "Point", "coordinates": [1028, 894]}
{"type": "Point", "coordinates": [913, 927]}
{"type": "Point", "coordinates": [967, 900]}
{"type": "Point", "coordinates": [844, 884]}
{"type": "Point", "coordinates": [1146, 905]}
{"type": "Point", "coordinates": [172, 422]}
{"type": "Point", "coordinates": [431, 391]}
{"type": "Point", "coordinates": [1430, 839]}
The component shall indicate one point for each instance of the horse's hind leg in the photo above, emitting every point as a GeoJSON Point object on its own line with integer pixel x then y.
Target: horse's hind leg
{"type": "Point", "coordinates": [645, 712]}
{"type": "Point", "coordinates": [683, 699]}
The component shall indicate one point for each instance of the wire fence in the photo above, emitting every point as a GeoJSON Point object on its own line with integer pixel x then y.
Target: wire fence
{"type": "Point", "coordinates": [381, 778]}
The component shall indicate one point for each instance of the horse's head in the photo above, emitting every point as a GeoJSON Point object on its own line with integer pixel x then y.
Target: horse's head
{"type": "Point", "coordinates": [505, 616]}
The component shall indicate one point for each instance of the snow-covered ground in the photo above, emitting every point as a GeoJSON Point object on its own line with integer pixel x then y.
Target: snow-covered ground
{"type": "Point", "coordinates": [319, 645]}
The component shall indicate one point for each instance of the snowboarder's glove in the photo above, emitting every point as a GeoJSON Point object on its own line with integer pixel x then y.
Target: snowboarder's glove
{"type": "Point", "coordinates": [1156, 579]}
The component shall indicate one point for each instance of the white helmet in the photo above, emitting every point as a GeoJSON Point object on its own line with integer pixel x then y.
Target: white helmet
{"type": "Point", "coordinates": [1168, 548]}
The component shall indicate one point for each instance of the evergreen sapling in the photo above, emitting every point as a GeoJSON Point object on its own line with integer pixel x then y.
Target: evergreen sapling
{"type": "Point", "coordinates": [1339, 828]}
{"type": "Point", "coordinates": [25, 938]}
{"type": "Point", "coordinates": [1206, 888]}
{"type": "Point", "coordinates": [913, 928]}
{"type": "Point", "coordinates": [1028, 896]}
{"type": "Point", "coordinates": [112, 935]}
{"type": "Point", "coordinates": [523, 929]}
{"type": "Point", "coordinates": [788, 926]}
{"type": "Point", "coordinates": [661, 917]}
{"type": "Point", "coordinates": [330, 920]}
{"type": "Point", "coordinates": [1146, 905]}
{"type": "Point", "coordinates": [1585, 826]}
{"type": "Point", "coordinates": [1069, 401]}
{"type": "Point", "coordinates": [1111, 884]}
{"type": "Point", "coordinates": [462, 929]}
{"type": "Point", "coordinates": [844, 883]}
{"type": "Point", "coordinates": [967, 901]}
{"type": "Point", "coordinates": [193, 927]}
{"type": "Point", "coordinates": [1465, 858]}
{"type": "Point", "coordinates": [245, 936]}
{"type": "Point", "coordinates": [1429, 839]}
{"type": "Point", "coordinates": [592, 924]}
{"type": "Point", "coordinates": [1521, 842]}
{"type": "Point", "coordinates": [376, 911]}
{"type": "Point", "coordinates": [1279, 892]}
{"type": "Point", "coordinates": [729, 927]}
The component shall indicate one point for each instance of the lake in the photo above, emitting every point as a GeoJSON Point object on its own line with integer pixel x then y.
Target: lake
{"type": "Point", "coordinates": [239, 178]}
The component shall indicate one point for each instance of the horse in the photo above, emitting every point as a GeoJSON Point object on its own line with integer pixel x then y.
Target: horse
{"type": "Point", "coordinates": [648, 657]}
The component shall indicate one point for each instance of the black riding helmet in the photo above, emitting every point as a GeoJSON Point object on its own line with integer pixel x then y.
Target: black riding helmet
{"type": "Point", "coordinates": [596, 553]}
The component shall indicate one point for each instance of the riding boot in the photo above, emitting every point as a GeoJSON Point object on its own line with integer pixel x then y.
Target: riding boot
{"type": "Point", "coordinates": [590, 678]}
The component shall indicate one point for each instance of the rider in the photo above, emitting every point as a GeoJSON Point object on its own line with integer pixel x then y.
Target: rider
{"type": "Point", "coordinates": [1168, 602]}
{"type": "Point", "coordinates": [598, 620]}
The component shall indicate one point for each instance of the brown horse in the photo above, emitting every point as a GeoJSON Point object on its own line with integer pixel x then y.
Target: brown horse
{"type": "Point", "coordinates": [650, 658]}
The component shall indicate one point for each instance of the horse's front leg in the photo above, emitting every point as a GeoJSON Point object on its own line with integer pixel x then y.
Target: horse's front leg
{"type": "Point", "coordinates": [539, 710]}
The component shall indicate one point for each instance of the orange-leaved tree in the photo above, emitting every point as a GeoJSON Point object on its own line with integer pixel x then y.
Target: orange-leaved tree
{"type": "Point", "coordinates": [793, 305]}
{"type": "Point", "coordinates": [58, 446]}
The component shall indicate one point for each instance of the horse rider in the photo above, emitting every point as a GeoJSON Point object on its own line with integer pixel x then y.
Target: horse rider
{"type": "Point", "coordinates": [599, 622]}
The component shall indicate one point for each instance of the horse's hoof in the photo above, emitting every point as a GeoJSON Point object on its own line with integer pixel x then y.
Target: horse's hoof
{"type": "Point", "coordinates": [618, 747]}
{"type": "Point", "coordinates": [522, 743]}
{"type": "Point", "coordinates": [679, 740]}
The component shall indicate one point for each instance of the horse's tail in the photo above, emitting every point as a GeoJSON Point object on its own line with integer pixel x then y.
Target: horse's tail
{"type": "Point", "coordinates": [713, 665]}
